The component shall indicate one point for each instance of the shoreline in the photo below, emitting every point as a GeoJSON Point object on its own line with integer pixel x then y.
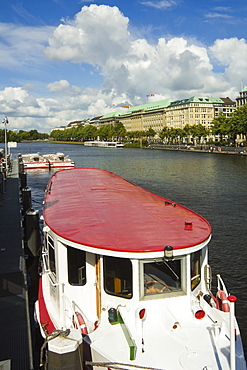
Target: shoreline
{"type": "Point", "coordinates": [214, 150]}
{"type": "Point", "coordinates": [196, 149]}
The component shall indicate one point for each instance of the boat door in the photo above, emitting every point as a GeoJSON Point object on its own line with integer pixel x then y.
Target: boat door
{"type": "Point", "coordinates": [50, 269]}
{"type": "Point", "coordinates": [98, 285]}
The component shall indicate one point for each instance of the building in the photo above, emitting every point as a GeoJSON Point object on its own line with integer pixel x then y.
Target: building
{"type": "Point", "coordinates": [171, 114]}
{"type": "Point", "coordinates": [242, 99]}
{"type": "Point", "coordinates": [149, 115]}
{"type": "Point", "coordinates": [109, 119]}
{"type": "Point", "coordinates": [197, 111]}
{"type": "Point", "coordinates": [176, 114]}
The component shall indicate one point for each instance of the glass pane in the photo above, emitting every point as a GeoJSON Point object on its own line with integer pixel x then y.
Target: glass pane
{"type": "Point", "coordinates": [118, 276]}
{"type": "Point", "coordinates": [162, 277]}
{"type": "Point", "coordinates": [76, 266]}
{"type": "Point", "coordinates": [195, 269]}
{"type": "Point", "coordinates": [51, 252]}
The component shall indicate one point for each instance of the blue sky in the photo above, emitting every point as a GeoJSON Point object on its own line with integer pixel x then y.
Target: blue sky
{"type": "Point", "coordinates": [65, 60]}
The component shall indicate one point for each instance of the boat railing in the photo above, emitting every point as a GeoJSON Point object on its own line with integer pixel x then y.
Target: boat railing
{"type": "Point", "coordinates": [88, 323]}
{"type": "Point", "coordinates": [71, 310]}
{"type": "Point", "coordinates": [221, 285]}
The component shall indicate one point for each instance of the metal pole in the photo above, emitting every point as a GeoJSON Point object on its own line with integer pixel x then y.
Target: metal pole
{"type": "Point", "coordinates": [5, 121]}
{"type": "Point", "coordinates": [232, 299]}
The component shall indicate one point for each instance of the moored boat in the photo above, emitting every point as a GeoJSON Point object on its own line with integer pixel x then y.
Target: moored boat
{"type": "Point", "coordinates": [104, 144]}
{"type": "Point", "coordinates": [34, 160]}
{"type": "Point", "coordinates": [59, 160]}
{"type": "Point", "coordinates": [125, 275]}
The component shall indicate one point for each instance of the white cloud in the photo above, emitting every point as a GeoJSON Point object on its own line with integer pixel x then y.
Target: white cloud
{"type": "Point", "coordinates": [22, 46]}
{"type": "Point", "coordinates": [131, 67]}
{"type": "Point", "coordinates": [99, 35]}
{"type": "Point", "coordinates": [232, 55]}
{"type": "Point", "coordinates": [17, 102]}
{"type": "Point", "coordinates": [94, 36]}
{"type": "Point", "coordinates": [163, 4]}
{"type": "Point", "coordinates": [58, 86]}
{"type": "Point", "coordinates": [218, 15]}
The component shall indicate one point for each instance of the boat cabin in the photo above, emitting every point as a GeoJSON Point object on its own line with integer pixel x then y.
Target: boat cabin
{"type": "Point", "coordinates": [129, 269]}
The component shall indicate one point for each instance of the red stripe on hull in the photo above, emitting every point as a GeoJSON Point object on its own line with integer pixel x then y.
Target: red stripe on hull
{"type": "Point", "coordinates": [44, 316]}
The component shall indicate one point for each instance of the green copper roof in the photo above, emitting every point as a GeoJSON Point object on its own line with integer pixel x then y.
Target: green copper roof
{"type": "Point", "coordinates": [245, 89]}
{"type": "Point", "coordinates": [197, 99]}
{"type": "Point", "coordinates": [112, 114]}
{"type": "Point", "coordinates": [149, 106]}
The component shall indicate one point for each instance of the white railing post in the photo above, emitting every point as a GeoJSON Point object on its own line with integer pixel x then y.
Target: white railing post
{"type": "Point", "coordinates": [232, 299]}
{"type": "Point", "coordinates": [62, 306]}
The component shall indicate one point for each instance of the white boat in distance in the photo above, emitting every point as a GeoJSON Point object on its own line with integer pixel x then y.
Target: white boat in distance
{"type": "Point", "coordinates": [59, 160]}
{"type": "Point", "coordinates": [125, 281]}
{"type": "Point", "coordinates": [36, 160]}
{"type": "Point", "coordinates": [104, 144]}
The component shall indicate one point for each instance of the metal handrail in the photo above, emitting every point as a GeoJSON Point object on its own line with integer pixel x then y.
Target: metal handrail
{"type": "Point", "coordinates": [221, 285]}
{"type": "Point", "coordinates": [73, 307]}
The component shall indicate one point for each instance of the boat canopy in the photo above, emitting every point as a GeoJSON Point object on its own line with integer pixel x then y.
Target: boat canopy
{"type": "Point", "coordinates": [96, 208]}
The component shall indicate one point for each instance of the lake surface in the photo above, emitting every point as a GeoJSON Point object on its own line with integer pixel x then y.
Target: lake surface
{"type": "Point", "coordinates": [213, 185]}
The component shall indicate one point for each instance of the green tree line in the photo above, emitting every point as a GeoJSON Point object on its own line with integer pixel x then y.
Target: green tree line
{"type": "Point", "coordinates": [90, 132]}
{"type": "Point", "coordinates": [226, 128]}
{"type": "Point", "coordinates": [22, 135]}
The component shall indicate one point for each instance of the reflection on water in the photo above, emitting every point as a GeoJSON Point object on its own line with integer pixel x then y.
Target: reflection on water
{"type": "Point", "coordinates": [210, 184]}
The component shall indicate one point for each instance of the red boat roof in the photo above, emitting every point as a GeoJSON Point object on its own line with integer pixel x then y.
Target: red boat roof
{"type": "Point", "coordinates": [97, 208]}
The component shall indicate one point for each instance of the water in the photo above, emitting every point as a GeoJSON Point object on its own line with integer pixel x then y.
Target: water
{"type": "Point", "coordinates": [212, 185]}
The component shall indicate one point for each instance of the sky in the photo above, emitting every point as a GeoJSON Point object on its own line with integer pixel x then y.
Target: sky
{"type": "Point", "coordinates": [67, 60]}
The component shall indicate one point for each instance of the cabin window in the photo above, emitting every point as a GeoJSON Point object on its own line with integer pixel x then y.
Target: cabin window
{"type": "Point", "coordinates": [118, 276]}
{"type": "Point", "coordinates": [195, 262]}
{"type": "Point", "coordinates": [76, 266]}
{"type": "Point", "coordinates": [162, 277]}
{"type": "Point", "coordinates": [51, 253]}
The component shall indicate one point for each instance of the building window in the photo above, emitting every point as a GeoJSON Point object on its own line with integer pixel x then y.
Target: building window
{"type": "Point", "coordinates": [118, 277]}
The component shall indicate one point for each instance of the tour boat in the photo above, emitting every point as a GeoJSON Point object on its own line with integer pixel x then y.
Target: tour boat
{"type": "Point", "coordinates": [59, 160]}
{"type": "Point", "coordinates": [125, 281]}
{"type": "Point", "coordinates": [35, 160]}
{"type": "Point", "coordinates": [104, 144]}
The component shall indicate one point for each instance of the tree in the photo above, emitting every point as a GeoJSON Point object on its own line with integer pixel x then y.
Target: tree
{"type": "Point", "coordinates": [90, 132]}
{"type": "Point", "coordinates": [187, 132]}
{"type": "Point", "coordinates": [165, 133]}
{"type": "Point", "coordinates": [220, 126]}
{"type": "Point", "coordinates": [201, 132]}
{"type": "Point", "coordinates": [150, 133]}
{"type": "Point", "coordinates": [120, 130]}
{"type": "Point", "coordinates": [238, 120]}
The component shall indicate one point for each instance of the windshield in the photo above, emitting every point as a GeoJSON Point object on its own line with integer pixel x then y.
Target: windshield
{"type": "Point", "coordinates": [162, 277]}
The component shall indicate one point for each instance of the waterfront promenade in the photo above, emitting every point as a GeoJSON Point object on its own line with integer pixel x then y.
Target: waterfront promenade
{"type": "Point", "coordinates": [15, 338]}
{"type": "Point", "coordinates": [201, 149]}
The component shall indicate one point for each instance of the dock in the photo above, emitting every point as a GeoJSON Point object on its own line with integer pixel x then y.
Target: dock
{"type": "Point", "coordinates": [15, 332]}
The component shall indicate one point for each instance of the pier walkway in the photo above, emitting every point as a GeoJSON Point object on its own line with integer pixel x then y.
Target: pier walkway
{"type": "Point", "coordinates": [15, 338]}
